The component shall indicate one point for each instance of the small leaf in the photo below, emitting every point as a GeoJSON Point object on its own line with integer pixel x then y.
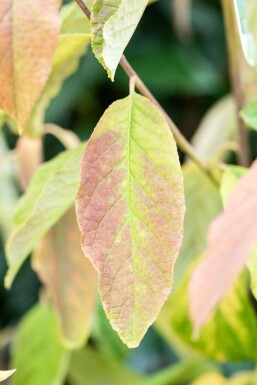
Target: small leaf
{"type": "Point", "coordinates": [199, 192]}
{"type": "Point", "coordinates": [38, 354]}
{"type": "Point", "coordinates": [6, 374]}
{"type": "Point", "coordinates": [232, 238]}
{"type": "Point", "coordinates": [28, 38]}
{"type": "Point", "coordinates": [113, 24]}
{"type": "Point", "coordinates": [30, 155]}
{"type": "Point", "coordinates": [218, 126]}
{"type": "Point", "coordinates": [249, 114]}
{"type": "Point", "coordinates": [69, 278]}
{"type": "Point", "coordinates": [130, 209]}
{"type": "Point", "coordinates": [50, 194]}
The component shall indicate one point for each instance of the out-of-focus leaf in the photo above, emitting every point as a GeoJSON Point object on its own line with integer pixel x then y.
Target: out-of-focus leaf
{"type": "Point", "coordinates": [50, 194]}
{"type": "Point", "coordinates": [38, 354]}
{"type": "Point", "coordinates": [218, 126]}
{"type": "Point", "coordinates": [6, 374]}
{"type": "Point", "coordinates": [8, 191]}
{"type": "Point", "coordinates": [130, 209]}
{"type": "Point", "coordinates": [73, 20]}
{"type": "Point", "coordinates": [182, 10]}
{"type": "Point", "coordinates": [67, 137]}
{"type": "Point", "coordinates": [90, 368]}
{"type": "Point", "coordinates": [213, 378]}
{"type": "Point", "coordinates": [203, 205]}
{"type": "Point", "coordinates": [30, 156]}
{"type": "Point", "coordinates": [70, 49]}
{"type": "Point", "coordinates": [28, 38]}
{"type": "Point", "coordinates": [70, 279]}
{"type": "Point", "coordinates": [249, 114]}
{"type": "Point", "coordinates": [113, 24]}
{"type": "Point", "coordinates": [232, 238]}
{"type": "Point", "coordinates": [229, 178]}
{"type": "Point", "coordinates": [105, 338]}
{"type": "Point", "coordinates": [232, 324]}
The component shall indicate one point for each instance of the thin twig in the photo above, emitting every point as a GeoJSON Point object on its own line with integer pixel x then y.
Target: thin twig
{"type": "Point", "coordinates": [182, 142]}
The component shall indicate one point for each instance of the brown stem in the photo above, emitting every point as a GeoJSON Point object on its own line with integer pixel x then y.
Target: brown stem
{"type": "Point", "coordinates": [236, 59]}
{"type": "Point", "coordinates": [182, 142]}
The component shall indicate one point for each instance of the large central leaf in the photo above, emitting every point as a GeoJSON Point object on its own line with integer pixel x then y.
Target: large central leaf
{"type": "Point", "coordinates": [130, 209]}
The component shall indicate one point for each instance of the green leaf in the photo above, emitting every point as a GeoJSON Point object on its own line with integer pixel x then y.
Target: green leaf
{"type": "Point", "coordinates": [130, 209]}
{"type": "Point", "coordinates": [113, 24]}
{"type": "Point", "coordinates": [234, 323]}
{"type": "Point", "coordinates": [73, 20]}
{"type": "Point", "coordinates": [6, 374]}
{"type": "Point", "coordinates": [249, 114]}
{"type": "Point", "coordinates": [203, 204]}
{"type": "Point", "coordinates": [38, 354]}
{"type": "Point", "coordinates": [229, 178]}
{"type": "Point", "coordinates": [50, 194]}
{"type": "Point", "coordinates": [69, 278]}
{"type": "Point", "coordinates": [90, 368]}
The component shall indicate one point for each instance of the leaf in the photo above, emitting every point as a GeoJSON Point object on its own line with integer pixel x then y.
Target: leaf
{"type": "Point", "coordinates": [112, 25]}
{"type": "Point", "coordinates": [73, 20]}
{"type": "Point", "coordinates": [6, 374]}
{"type": "Point", "coordinates": [28, 36]}
{"type": "Point", "coordinates": [90, 368]}
{"type": "Point", "coordinates": [71, 47]}
{"type": "Point", "coordinates": [218, 126]}
{"type": "Point", "coordinates": [230, 177]}
{"type": "Point", "coordinates": [69, 279]}
{"type": "Point", "coordinates": [50, 194]}
{"type": "Point", "coordinates": [249, 114]}
{"type": "Point", "coordinates": [233, 321]}
{"type": "Point", "coordinates": [232, 238]}
{"type": "Point", "coordinates": [38, 354]}
{"type": "Point", "coordinates": [203, 205]}
{"type": "Point", "coordinates": [30, 155]}
{"type": "Point", "coordinates": [213, 378]}
{"type": "Point", "coordinates": [130, 209]}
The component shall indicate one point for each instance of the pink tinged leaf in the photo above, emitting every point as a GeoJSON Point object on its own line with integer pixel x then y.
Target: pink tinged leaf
{"type": "Point", "coordinates": [232, 238]}
{"type": "Point", "coordinates": [28, 38]}
{"type": "Point", "coordinates": [70, 279]}
{"type": "Point", "coordinates": [130, 209]}
{"type": "Point", "coordinates": [30, 155]}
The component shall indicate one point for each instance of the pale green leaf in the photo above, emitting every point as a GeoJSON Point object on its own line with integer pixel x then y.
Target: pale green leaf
{"type": "Point", "coordinates": [234, 323]}
{"type": "Point", "coordinates": [130, 209]}
{"type": "Point", "coordinates": [113, 24]}
{"type": "Point", "coordinates": [69, 278]}
{"type": "Point", "coordinates": [38, 354]}
{"type": "Point", "coordinates": [218, 126]}
{"type": "Point", "coordinates": [229, 178]}
{"type": "Point", "coordinates": [6, 374]}
{"type": "Point", "coordinates": [73, 20]}
{"type": "Point", "coordinates": [50, 194]}
{"type": "Point", "coordinates": [249, 114]}
{"type": "Point", "coordinates": [203, 204]}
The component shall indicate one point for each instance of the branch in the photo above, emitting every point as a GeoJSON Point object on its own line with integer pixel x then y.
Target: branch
{"type": "Point", "coordinates": [182, 142]}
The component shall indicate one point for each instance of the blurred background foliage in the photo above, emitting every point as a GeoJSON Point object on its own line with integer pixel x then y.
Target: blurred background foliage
{"type": "Point", "coordinates": [187, 74]}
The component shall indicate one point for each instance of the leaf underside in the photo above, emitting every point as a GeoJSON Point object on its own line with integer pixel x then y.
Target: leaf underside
{"type": "Point", "coordinates": [130, 209]}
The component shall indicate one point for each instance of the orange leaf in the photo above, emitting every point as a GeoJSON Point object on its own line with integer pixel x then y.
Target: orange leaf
{"type": "Point", "coordinates": [28, 38]}
{"type": "Point", "coordinates": [69, 277]}
{"type": "Point", "coordinates": [232, 238]}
